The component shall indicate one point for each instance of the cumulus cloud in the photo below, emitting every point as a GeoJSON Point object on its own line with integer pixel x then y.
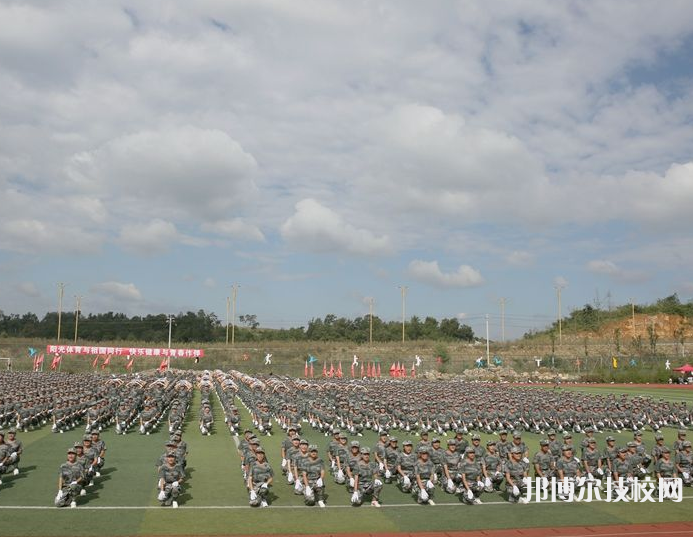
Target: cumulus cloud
{"type": "Point", "coordinates": [317, 228]}
{"type": "Point", "coordinates": [603, 266]}
{"type": "Point", "coordinates": [117, 291]}
{"type": "Point", "coordinates": [429, 272]}
{"type": "Point", "coordinates": [28, 289]}
{"type": "Point", "coordinates": [560, 281]}
{"type": "Point", "coordinates": [153, 237]}
{"type": "Point", "coordinates": [519, 258]}
{"type": "Point", "coordinates": [31, 235]}
{"type": "Point", "coordinates": [236, 228]}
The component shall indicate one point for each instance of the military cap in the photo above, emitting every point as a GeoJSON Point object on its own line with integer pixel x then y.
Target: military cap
{"type": "Point", "coordinates": [623, 450]}
{"type": "Point", "coordinates": [515, 450]}
{"type": "Point", "coordinates": [424, 433]}
{"type": "Point", "coordinates": [637, 433]}
{"type": "Point", "coordinates": [589, 430]}
{"type": "Point", "coordinates": [469, 449]}
{"type": "Point", "coordinates": [687, 443]}
{"type": "Point", "coordinates": [72, 450]}
{"type": "Point", "coordinates": [86, 438]}
{"type": "Point", "coordinates": [407, 443]}
{"type": "Point", "coordinates": [2, 433]}
{"type": "Point", "coordinates": [95, 432]}
{"type": "Point", "coordinates": [342, 435]}
{"type": "Point", "coordinates": [631, 444]}
{"type": "Point", "coordinates": [665, 450]}
{"type": "Point", "coordinates": [171, 454]}
{"type": "Point", "coordinates": [255, 442]}
{"type": "Point", "coordinates": [291, 428]}
{"type": "Point", "coordinates": [452, 442]}
{"type": "Point", "coordinates": [435, 439]}
{"type": "Point", "coordinates": [354, 443]}
{"type": "Point", "coordinates": [313, 447]}
{"type": "Point", "coordinates": [517, 434]}
{"type": "Point", "coordinates": [610, 439]}
{"type": "Point", "coordinates": [422, 449]}
{"type": "Point", "coordinates": [303, 441]}
{"type": "Point", "coordinates": [682, 432]}
{"type": "Point", "coordinates": [170, 444]}
{"type": "Point", "coordinates": [459, 430]}
{"type": "Point", "coordinates": [476, 437]}
{"type": "Point", "coordinates": [592, 441]}
{"type": "Point", "coordinates": [659, 436]}
{"type": "Point", "coordinates": [383, 433]}
{"type": "Point", "coordinates": [567, 435]}
{"type": "Point", "coordinates": [393, 439]}
{"type": "Point", "coordinates": [566, 447]}
{"type": "Point", "coordinates": [543, 442]}
{"type": "Point", "coordinates": [491, 442]}
{"type": "Point", "coordinates": [365, 450]}
{"type": "Point", "coordinates": [78, 444]}
{"type": "Point", "coordinates": [551, 432]}
{"type": "Point", "coordinates": [502, 431]}
{"type": "Point", "coordinates": [12, 431]}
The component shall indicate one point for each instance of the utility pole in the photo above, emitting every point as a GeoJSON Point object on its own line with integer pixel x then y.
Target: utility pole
{"type": "Point", "coordinates": [488, 349]}
{"type": "Point", "coordinates": [234, 296]}
{"type": "Point", "coordinates": [61, 293]}
{"type": "Point", "coordinates": [403, 289]}
{"type": "Point", "coordinates": [502, 301]}
{"type": "Point", "coordinates": [170, 326]}
{"type": "Point", "coordinates": [370, 321]}
{"type": "Point", "coordinates": [559, 288]}
{"type": "Point", "coordinates": [632, 313]}
{"type": "Point", "coordinates": [228, 306]}
{"type": "Point", "coordinates": [77, 310]}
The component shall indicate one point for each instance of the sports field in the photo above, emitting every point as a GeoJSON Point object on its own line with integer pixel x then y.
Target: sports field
{"type": "Point", "coordinates": [123, 500]}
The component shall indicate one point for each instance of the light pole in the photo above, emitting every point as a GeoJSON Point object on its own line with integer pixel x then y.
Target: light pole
{"type": "Point", "coordinates": [370, 320]}
{"type": "Point", "coordinates": [403, 289]}
{"type": "Point", "coordinates": [632, 313]}
{"type": "Point", "coordinates": [488, 348]}
{"type": "Point", "coordinates": [61, 293]}
{"type": "Point", "coordinates": [234, 295]}
{"type": "Point", "coordinates": [228, 306]}
{"type": "Point", "coordinates": [170, 326]}
{"type": "Point", "coordinates": [502, 301]}
{"type": "Point", "coordinates": [559, 288]}
{"type": "Point", "coordinates": [78, 298]}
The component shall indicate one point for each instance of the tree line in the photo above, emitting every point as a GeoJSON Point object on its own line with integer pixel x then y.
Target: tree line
{"type": "Point", "coordinates": [202, 326]}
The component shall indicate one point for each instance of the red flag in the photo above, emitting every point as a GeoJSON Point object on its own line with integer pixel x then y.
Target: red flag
{"type": "Point", "coordinates": [404, 371]}
{"type": "Point", "coordinates": [331, 374]}
{"type": "Point", "coordinates": [128, 366]}
{"type": "Point", "coordinates": [311, 370]}
{"type": "Point", "coordinates": [39, 361]}
{"type": "Point", "coordinates": [353, 373]}
{"type": "Point", "coordinates": [35, 363]}
{"type": "Point", "coordinates": [392, 370]}
{"type": "Point", "coordinates": [56, 361]}
{"type": "Point", "coordinates": [305, 370]}
{"type": "Point", "coordinates": [413, 370]}
{"type": "Point", "coordinates": [378, 374]}
{"type": "Point", "coordinates": [106, 361]}
{"type": "Point", "coordinates": [94, 363]}
{"type": "Point", "coordinates": [362, 375]}
{"type": "Point", "coordinates": [368, 370]}
{"type": "Point", "coordinates": [163, 365]}
{"type": "Point", "coordinates": [339, 370]}
{"type": "Point", "coordinates": [324, 369]}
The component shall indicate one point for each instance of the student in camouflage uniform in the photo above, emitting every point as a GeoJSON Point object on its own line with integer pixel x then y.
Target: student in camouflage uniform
{"type": "Point", "coordinates": [609, 456]}
{"type": "Point", "coordinates": [543, 463]}
{"type": "Point", "coordinates": [461, 440]}
{"type": "Point", "coordinates": [341, 455]}
{"type": "Point", "coordinates": [367, 480]}
{"type": "Point", "coordinates": [554, 445]}
{"type": "Point", "coordinates": [684, 463]}
{"type": "Point", "coordinates": [592, 461]}
{"type": "Point", "coordinates": [391, 458]}
{"type": "Point", "coordinates": [260, 479]}
{"type": "Point", "coordinates": [100, 447]}
{"type": "Point", "coordinates": [352, 460]}
{"type": "Point", "coordinates": [492, 465]}
{"type": "Point", "coordinates": [471, 471]}
{"type": "Point", "coordinates": [286, 444]}
{"type": "Point", "coordinates": [424, 442]}
{"type": "Point", "coordinates": [424, 473]}
{"type": "Point", "coordinates": [656, 452]}
{"type": "Point", "coordinates": [171, 477]}
{"type": "Point", "coordinates": [503, 445]}
{"type": "Point", "coordinates": [313, 477]}
{"type": "Point", "coordinates": [636, 460]}
{"type": "Point", "coordinates": [299, 459]}
{"type": "Point", "coordinates": [450, 479]}
{"type": "Point", "coordinates": [91, 457]}
{"type": "Point", "coordinates": [290, 454]}
{"type": "Point", "coordinates": [379, 451]}
{"type": "Point", "coordinates": [148, 419]}
{"type": "Point", "coordinates": [70, 481]}
{"type": "Point", "coordinates": [665, 467]}
{"type": "Point", "coordinates": [332, 450]}
{"type": "Point", "coordinates": [15, 451]}
{"type": "Point", "coordinates": [589, 434]}
{"type": "Point", "coordinates": [516, 476]}
{"type": "Point", "coordinates": [641, 449]}
{"type": "Point", "coordinates": [680, 439]}
{"type": "Point", "coordinates": [479, 450]}
{"type": "Point", "coordinates": [405, 466]}
{"type": "Point", "coordinates": [568, 467]}
{"type": "Point", "coordinates": [437, 456]}
{"type": "Point", "coordinates": [621, 467]}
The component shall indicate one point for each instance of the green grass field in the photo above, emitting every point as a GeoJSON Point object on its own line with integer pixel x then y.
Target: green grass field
{"type": "Point", "coordinates": [123, 501]}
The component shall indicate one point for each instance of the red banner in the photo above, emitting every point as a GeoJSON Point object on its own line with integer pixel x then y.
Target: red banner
{"type": "Point", "coordinates": [125, 351]}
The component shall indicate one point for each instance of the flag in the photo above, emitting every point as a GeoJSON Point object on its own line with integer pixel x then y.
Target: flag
{"type": "Point", "coordinates": [32, 352]}
{"type": "Point", "coordinates": [331, 374]}
{"type": "Point", "coordinates": [305, 371]}
{"type": "Point", "coordinates": [369, 372]}
{"type": "Point", "coordinates": [312, 359]}
{"type": "Point", "coordinates": [392, 370]}
{"type": "Point", "coordinates": [39, 362]}
{"type": "Point", "coordinates": [353, 373]}
{"type": "Point", "coordinates": [96, 359]}
{"type": "Point", "coordinates": [403, 371]}
{"type": "Point", "coordinates": [339, 370]}
{"type": "Point", "coordinates": [614, 362]}
{"type": "Point", "coordinates": [35, 363]}
{"type": "Point", "coordinates": [378, 375]}
{"type": "Point", "coordinates": [311, 370]}
{"type": "Point", "coordinates": [56, 361]}
{"type": "Point", "coordinates": [324, 369]}
{"type": "Point", "coordinates": [362, 373]}
{"type": "Point", "coordinates": [106, 361]}
{"type": "Point", "coordinates": [163, 365]}
{"type": "Point", "coordinates": [131, 361]}
{"type": "Point", "coordinates": [413, 370]}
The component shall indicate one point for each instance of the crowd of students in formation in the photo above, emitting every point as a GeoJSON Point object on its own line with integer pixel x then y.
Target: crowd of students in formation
{"type": "Point", "coordinates": [446, 418]}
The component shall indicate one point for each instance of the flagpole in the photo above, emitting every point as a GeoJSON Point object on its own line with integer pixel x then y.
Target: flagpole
{"type": "Point", "coordinates": [79, 301]}
{"type": "Point", "coordinates": [61, 292]}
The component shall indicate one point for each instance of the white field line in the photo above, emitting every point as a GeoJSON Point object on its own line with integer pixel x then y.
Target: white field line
{"type": "Point", "coordinates": [235, 507]}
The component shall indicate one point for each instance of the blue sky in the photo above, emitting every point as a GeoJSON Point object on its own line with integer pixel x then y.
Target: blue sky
{"type": "Point", "coordinates": [321, 152]}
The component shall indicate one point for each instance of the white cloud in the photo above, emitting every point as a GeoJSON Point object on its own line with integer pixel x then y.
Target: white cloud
{"type": "Point", "coordinates": [153, 237]}
{"type": "Point", "coordinates": [560, 281]}
{"type": "Point", "coordinates": [429, 272]}
{"type": "Point", "coordinates": [118, 291]}
{"type": "Point", "coordinates": [519, 258]}
{"type": "Point", "coordinates": [236, 228]}
{"type": "Point", "coordinates": [603, 266]}
{"type": "Point", "coordinates": [29, 289]}
{"type": "Point", "coordinates": [209, 282]}
{"type": "Point", "coordinates": [31, 235]}
{"type": "Point", "coordinates": [317, 228]}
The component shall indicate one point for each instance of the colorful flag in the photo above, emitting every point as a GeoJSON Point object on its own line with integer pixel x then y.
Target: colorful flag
{"type": "Point", "coordinates": [305, 371]}
{"type": "Point", "coordinates": [331, 373]}
{"type": "Point", "coordinates": [392, 370]}
{"type": "Point", "coordinates": [39, 362]}
{"type": "Point", "coordinates": [94, 363]}
{"type": "Point", "coordinates": [56, 361]}
{"type": "Point", "coordinates": [353, 373]}
{"type": "Point", "coordinates": [614, 362]}
{"type": "Point", "coordinates": [413, 370]}
{"type": "Point", "coordinates": [378, 375]}
{"type": "Point", "coordinates": [324, 369]}
{"type": "Point", "coordinates": [131, 361]}
{"type": "Point", "coordinates": [163, 365]}
{"type": "Point", "coordinates": [106, 361]}
{"type": "Point", "coordinates": [362, 373]}
{"type": "Point", "coordinates": [339, 370]}
{"type": "Point", "coordinates": [311, 370]}
{"type": "Point", "coordinates": [32, 352]}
